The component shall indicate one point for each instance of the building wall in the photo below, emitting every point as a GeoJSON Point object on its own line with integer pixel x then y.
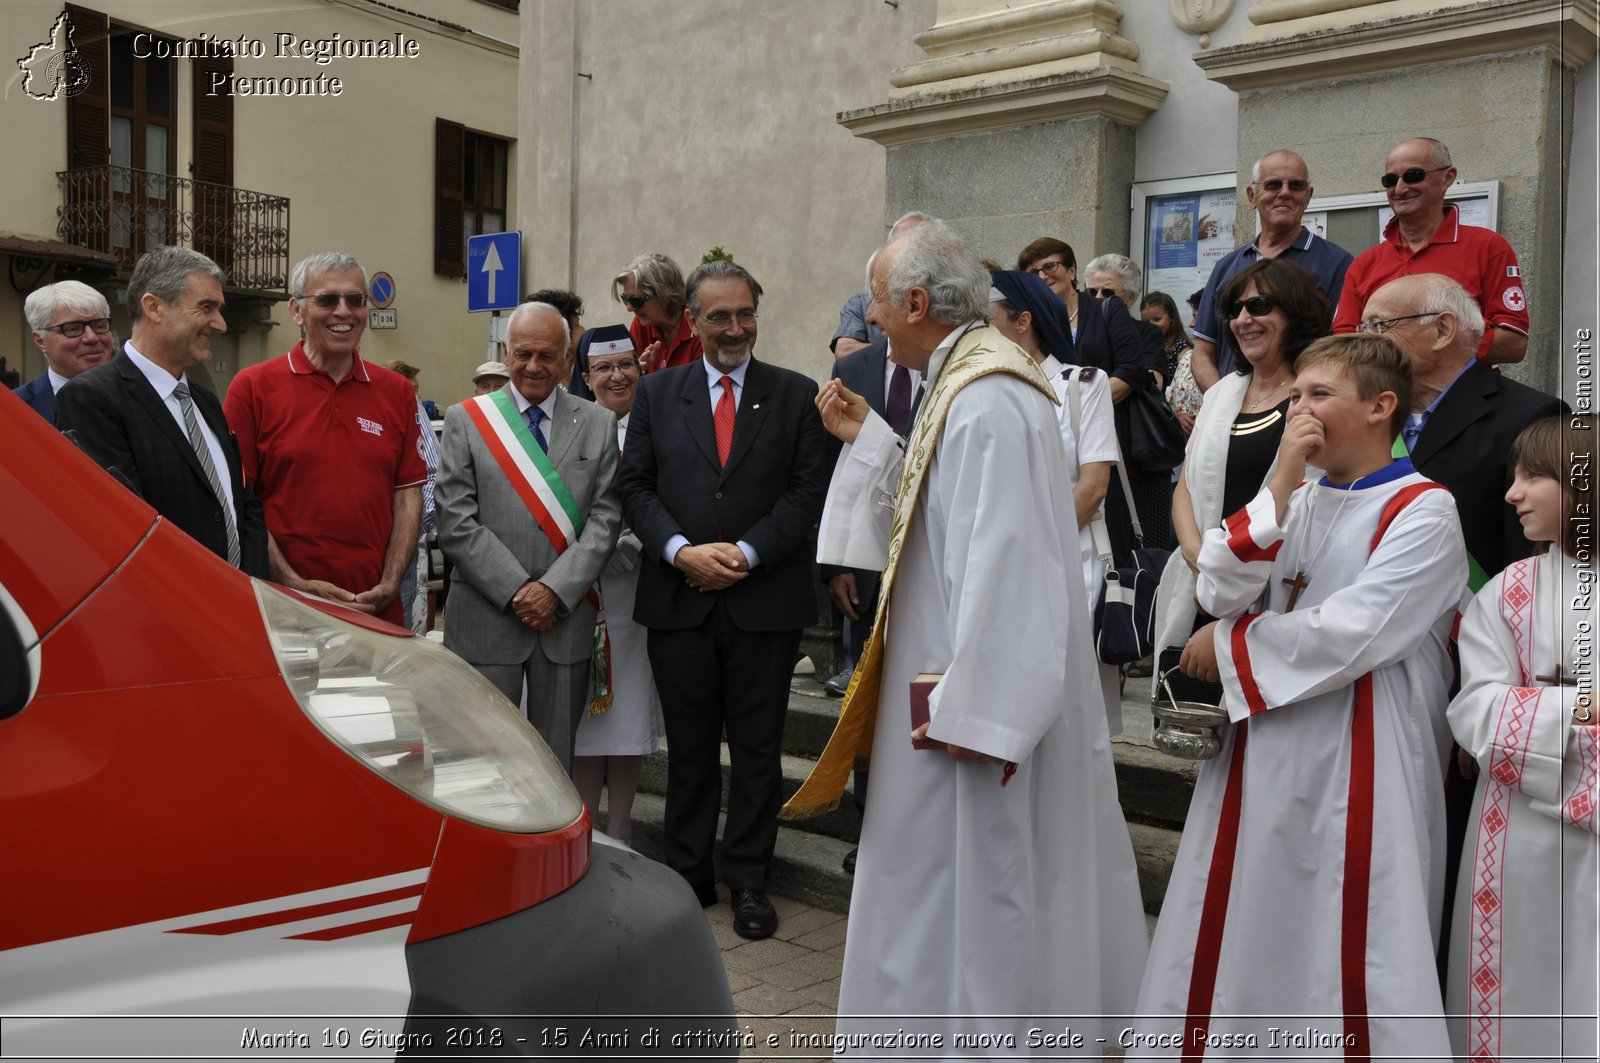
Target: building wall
{"type": "Point", "coordinates": [713, 123]}
{"type": "Point", "coordinates": [358, 168]}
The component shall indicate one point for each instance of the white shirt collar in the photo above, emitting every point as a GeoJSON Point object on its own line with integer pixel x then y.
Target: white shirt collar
{"type": "Point", "coordinates": [548, 406]}
{"type": "Point", "coordinates": [57, 381]}
{"type": "Point", "coordinates": [164, 382]}
{"type": "Point", "coordinates": [946, 345]}
{"type": "Point", "coordinates": [714, 374]}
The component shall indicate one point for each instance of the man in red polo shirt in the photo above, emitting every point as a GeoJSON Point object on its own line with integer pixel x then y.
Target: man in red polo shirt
{"type": "Point", "coordinates": [652, 287]}
{"type": "Point", "coordinates": [1426, 236]}
{"type": "Point", "coordinates": [331, 444]}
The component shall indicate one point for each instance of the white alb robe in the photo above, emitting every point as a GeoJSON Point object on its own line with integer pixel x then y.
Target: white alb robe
{"type": "Point", "coordinates": [1524, 944]}
{"type": "Point", "coordinates": [1310, 877]}
{"type": "Point", "coordinates": [973, 898]}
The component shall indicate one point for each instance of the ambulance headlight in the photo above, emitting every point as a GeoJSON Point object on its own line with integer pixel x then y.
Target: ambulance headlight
{"type": "Point", "coordinates": [420, 717]}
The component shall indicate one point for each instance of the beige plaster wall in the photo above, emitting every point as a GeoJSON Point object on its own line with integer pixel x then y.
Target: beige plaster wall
{"type": "Point", "coordinates": [357, 168]}
{"type": "Point", "coordinates": [714, 123]}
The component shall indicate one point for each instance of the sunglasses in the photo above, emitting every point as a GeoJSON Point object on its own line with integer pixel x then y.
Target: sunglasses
{"type": "Point", "coordinates": [635, 302]}
{"type": "Point", "coordinates": [1258, 305]}
{"type": "Point", "coordinates": [1412, 176]}
{"type": "Point", "coordinates": [330, 300]}
{"type": "Point", "coordinates": [73, 329]}
{"type": "Point", "coordinates": [1104, 293]}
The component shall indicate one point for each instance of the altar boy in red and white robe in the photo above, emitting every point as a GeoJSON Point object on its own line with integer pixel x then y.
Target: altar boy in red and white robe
{"type": "Point", "coordinates": [1303, 911]}
{"type": "Point", "coordinates": [1523, 964]}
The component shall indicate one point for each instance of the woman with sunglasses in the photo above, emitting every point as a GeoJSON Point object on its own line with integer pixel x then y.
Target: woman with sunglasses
{"type": "Point", "coordinates": [652, 287]}
{"type": "Point", "coordinates": [1275, 310]}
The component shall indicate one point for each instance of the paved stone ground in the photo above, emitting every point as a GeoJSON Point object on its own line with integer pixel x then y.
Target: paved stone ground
{"type": "Point", "coordinates": [787, 986]}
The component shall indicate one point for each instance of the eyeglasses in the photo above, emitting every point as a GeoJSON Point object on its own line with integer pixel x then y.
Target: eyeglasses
{"type": "Point", "coordinates": [1044, 268]}
{"type": "Point", "coordinates": [1277, 184]}
{"type": "Point", "coordinates": [330, 300]}
{"type": "Point", "coordinates": [1388, 323]}
{"type": "Point", "coordinates": [73, 329]}
{"type": "Point", "coordinates": [635, 302]}
{"type": "Point", "coordinates": [607, 368]}
{"type": "Point", "coordinates": [1104, 293]}
{"type": "Point", "coordinates": [722, 319]}
{"type": "Point", "coordinates": [1258, 305]}
{"type": "Point", "coordinates": [1412, 176]}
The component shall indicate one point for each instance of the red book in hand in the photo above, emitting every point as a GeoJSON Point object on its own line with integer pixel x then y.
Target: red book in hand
{"type": "Point", "coordinates": [921, 687]}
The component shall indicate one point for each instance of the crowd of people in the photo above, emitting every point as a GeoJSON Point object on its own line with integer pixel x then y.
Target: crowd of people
{"type": "Point", "coordinates": [628, 514]}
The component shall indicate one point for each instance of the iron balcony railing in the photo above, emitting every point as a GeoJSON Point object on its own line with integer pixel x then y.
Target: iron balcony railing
{"type": "Point", "coordinates": [126, 212]}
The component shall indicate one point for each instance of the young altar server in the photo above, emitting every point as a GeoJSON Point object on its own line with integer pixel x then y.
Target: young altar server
{"type": "Point", "coordinates": [1303, 911]}
{"type": "Point", "coordinates": [1526, 903]}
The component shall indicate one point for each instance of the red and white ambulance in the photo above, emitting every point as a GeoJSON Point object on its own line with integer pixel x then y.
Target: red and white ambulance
{"type": "Point", "coordinates": [247, 822]}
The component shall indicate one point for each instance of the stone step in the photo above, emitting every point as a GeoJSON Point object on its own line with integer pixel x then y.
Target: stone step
{"type": "Point", "coordinates": [808, 866]}
{"type": "Point", "coordinates": [1154, 788]}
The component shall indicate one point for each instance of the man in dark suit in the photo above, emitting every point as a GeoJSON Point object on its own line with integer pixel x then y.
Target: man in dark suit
{"type": "Point", "coordinates": [1463, 414]}
{"type": "Point", "coordinates": [140, 415]}
{"type": "Point", "coordinates": [723, 476]}
{"type": "Point", "coordinates": [71, 325]}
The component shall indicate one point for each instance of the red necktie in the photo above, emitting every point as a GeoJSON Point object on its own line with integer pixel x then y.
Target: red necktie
{"type": "Point", "coordinates": [722, 420]}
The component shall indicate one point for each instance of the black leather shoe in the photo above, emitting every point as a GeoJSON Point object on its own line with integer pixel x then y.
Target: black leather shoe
{"type": "Point", "coordinates": [753, 914]}
{"type": "Point", "coordinates": [850, 861]}
{"type": "Point", "coordinates": [839, 683]}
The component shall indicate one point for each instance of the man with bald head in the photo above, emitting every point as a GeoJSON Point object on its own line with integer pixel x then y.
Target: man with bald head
{"type": "Point", "coordinates": [528, 516]}
{"type": "Point", "coordinates": [1463, 415]}
{"type": "Point", "coordinates": [1426, 236]}
{"type": "Point", "coordinates": [1279, 190]}
{"type": "Point", "coordinates": [71, 325]}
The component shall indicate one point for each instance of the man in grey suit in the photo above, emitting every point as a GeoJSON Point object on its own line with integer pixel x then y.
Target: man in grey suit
{"type": "Point", "coordinates": [528, 515]}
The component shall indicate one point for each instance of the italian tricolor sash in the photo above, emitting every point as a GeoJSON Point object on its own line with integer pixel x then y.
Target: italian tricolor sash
{"type": "Point", "coordinates": [527, 466]}
{"type": "Point", "coordinates": [528, 470]}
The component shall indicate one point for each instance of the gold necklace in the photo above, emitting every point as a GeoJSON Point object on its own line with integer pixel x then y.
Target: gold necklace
{"type": "Point", "coordinates": [1256, 404]}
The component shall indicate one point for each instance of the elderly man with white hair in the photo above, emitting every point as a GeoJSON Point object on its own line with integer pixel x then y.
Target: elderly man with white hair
{"type": "Point", "coordinates": [528, 516]}
{"type": "Point", "coordinates": [71, 325]}
{"type": "Point", "coordinates": [995, 884]}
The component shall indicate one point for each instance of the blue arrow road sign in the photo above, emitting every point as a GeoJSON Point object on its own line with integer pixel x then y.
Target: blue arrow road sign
{"type": "Point", "coordinates": [494, 271]}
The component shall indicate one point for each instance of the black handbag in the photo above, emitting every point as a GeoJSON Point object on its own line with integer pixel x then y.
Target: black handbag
{"type": "Point", "coordinates": [1155, 438]}
{"type": "Point", "coordinates": [1185, 687]}
{"type": "Point", "coordinates": [1125, 612]}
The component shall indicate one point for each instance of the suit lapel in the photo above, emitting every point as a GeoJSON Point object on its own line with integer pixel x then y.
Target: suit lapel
{"type": "Point", "coordinates": [1469, 400]}
{"type": "Point", "coordinates": [753, 409]}
{"type": "Point", "coordinates": [151, 403]}
{"type": "Point", "coordinates": [697, 412]}
{"type": "Point", "coordinates": [566, 436]}
{"type": "Point", "coordinates": [875, 395]}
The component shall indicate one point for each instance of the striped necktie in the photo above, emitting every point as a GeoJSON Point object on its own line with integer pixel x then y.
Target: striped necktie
{"type": "Point", "coordinates": [197, 440]}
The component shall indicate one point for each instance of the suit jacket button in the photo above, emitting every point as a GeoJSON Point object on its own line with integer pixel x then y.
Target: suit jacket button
{"type": "Point", "coordinates": [719, 494]}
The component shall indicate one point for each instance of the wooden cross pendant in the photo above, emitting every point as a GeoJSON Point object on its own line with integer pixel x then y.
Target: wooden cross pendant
{"type": "Point", "coordinates": [1296, 585]}
{"type": "Point", "coordinates": [1560, 679]}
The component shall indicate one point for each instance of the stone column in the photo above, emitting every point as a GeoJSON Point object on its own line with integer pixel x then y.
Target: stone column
{"type": "Point", "coordinates": [1018, 124]}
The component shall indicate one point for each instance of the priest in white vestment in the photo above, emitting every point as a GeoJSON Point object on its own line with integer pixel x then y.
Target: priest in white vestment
{"type": "Point", "coordinates": [995, 892]}
{"type": "Point", "coordinates": [1303, 912]}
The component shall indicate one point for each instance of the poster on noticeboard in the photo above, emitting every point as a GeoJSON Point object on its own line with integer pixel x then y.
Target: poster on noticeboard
{"type": "Point", "coordinates": [1187, 233]}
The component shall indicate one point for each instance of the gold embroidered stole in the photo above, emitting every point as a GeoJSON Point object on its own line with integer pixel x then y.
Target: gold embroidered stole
{"type": "Point", "coordinates": [978, 353]}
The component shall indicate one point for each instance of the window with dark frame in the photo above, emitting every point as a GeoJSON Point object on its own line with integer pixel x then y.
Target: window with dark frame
{"type": "Point", "coordinates": [471, 171]}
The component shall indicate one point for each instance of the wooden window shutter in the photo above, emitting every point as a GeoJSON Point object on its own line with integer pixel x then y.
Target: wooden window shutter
{"type": "Point", "coordinates": [89, 112]}
{"type": "Point", "coordinates": [449, 184]}
{"type": "Point", "coordinates": [213, 161]}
